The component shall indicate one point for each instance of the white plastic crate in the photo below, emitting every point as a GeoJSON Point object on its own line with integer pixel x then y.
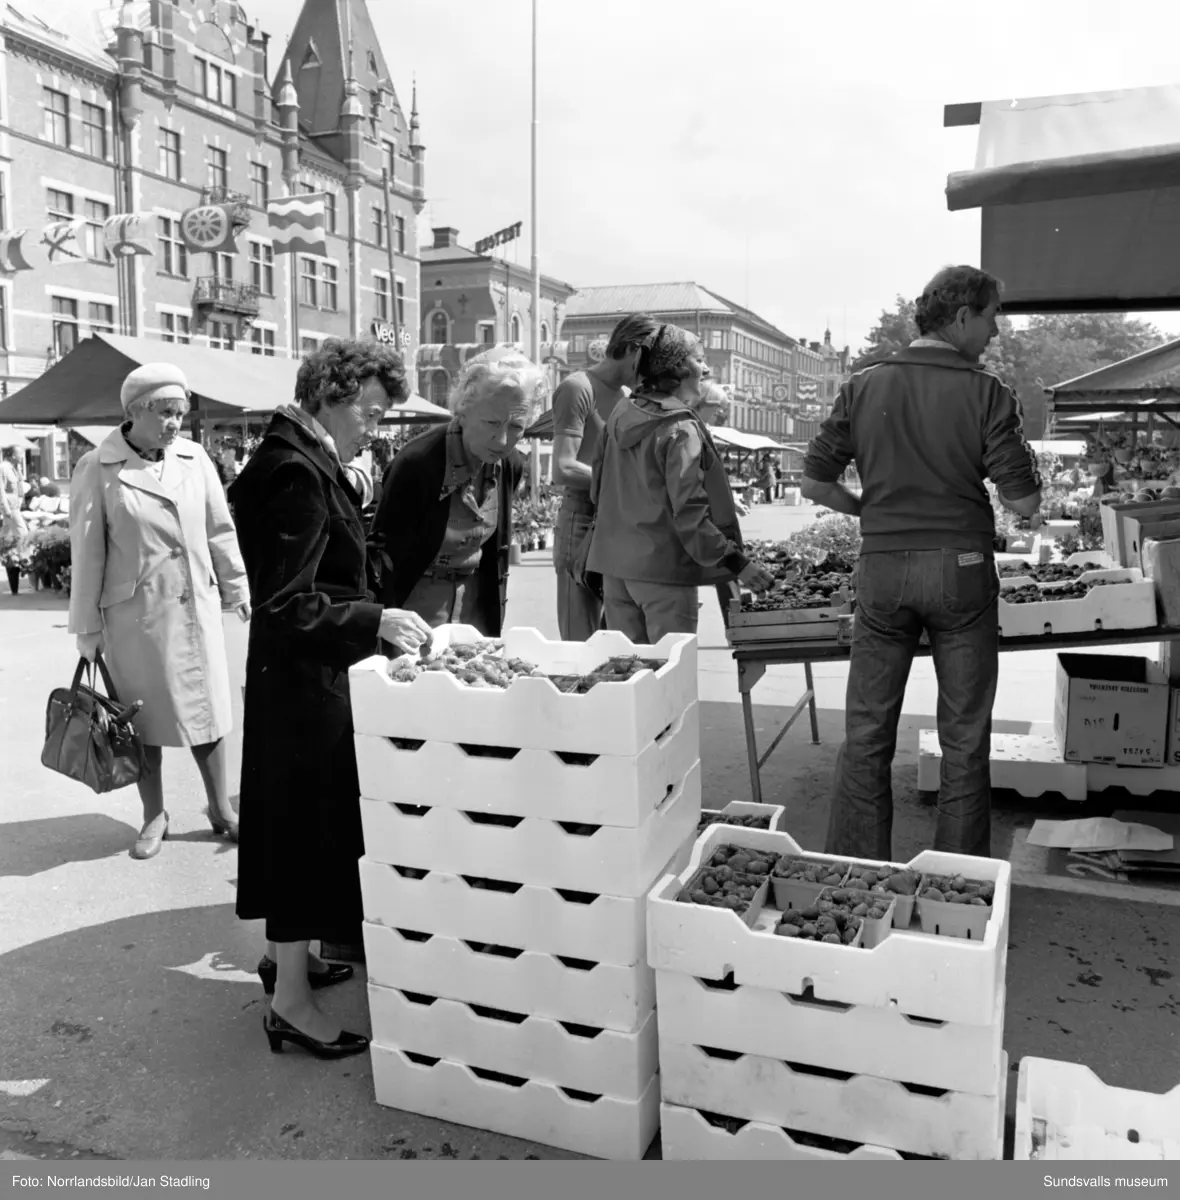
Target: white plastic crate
{"type": "Point", "coordinates": [862, 1109]}
{"type": "Point", "coordinates": [611, 860]}
{"type": "Point", "coordinates": [737, 808]}
{"type": "Point", "coordinates": [610, 790]}
{"type": "Point", "coordinates": [1113, 574]}
{"type": "Point", "coordinates": [858, 1039]}
{"type": "Point", "coordinates": [1031, 764]}
{"type": "Point", "coordinates": [686, 1136]}
{"type": "Point", "coordinates": [1065, 1112]}
{"type": "Point", "coordinates": [921, 975]}
{"type": "Point", "coordinates": [605, 1127]}
{"type": "Point", "coordinates": [586, 993]}
{"type": "Point", "coordinates": [612, 718]}
{"type": "Point", "coordinates": [1121, 606]}
{"type": "Point", "coordinates": [608, 929]}
{"type": "Point", "coordinates": [588, 1059]}
{"type": "Point", "coordinates": [1084, 558]}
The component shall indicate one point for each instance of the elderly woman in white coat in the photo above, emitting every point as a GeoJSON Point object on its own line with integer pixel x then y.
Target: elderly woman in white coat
{"type": "Point", "coordinates": [155, 562]}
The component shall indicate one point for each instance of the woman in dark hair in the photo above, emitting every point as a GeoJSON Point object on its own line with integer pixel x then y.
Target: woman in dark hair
{"type": "Point", "coordinates": [665, 523]}
{"type": "Point", "coordinates": [303, 541]}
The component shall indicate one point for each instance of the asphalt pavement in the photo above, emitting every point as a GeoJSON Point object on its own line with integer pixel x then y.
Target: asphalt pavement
{"type": "Point", "coordinates": [130, 1020]}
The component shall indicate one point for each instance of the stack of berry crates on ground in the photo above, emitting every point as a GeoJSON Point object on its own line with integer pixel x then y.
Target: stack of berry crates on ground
{"type": "Point", "coordinates": [511, 838]}
{"type": "Point", "coordinates": [1065, 1112]}
{"type": "Point", "coordinates": [805, 1017]}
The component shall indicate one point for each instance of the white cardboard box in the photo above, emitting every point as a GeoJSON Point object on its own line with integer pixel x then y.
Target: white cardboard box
{"type": "Point", "coordinates": [1111, 708]}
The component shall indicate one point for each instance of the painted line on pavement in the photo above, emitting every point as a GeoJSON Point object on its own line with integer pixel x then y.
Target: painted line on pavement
{"type": "Point", "coordinates": [1029, 864]}
{"type": "Point", "coordinates": [21, 1087]}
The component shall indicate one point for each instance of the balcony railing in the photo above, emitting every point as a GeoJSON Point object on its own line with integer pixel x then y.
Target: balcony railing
{"type": "Point", "coordinates": [238, 202]}
{"type": "Point", "coordinates": [211, 292]}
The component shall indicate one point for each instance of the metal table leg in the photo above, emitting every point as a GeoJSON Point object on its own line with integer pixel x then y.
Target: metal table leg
{"type": "Point", "coordinates": [750, 671]}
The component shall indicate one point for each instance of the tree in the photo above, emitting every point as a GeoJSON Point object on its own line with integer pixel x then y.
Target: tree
{"type": "Point", "coordinates": [893, 332]}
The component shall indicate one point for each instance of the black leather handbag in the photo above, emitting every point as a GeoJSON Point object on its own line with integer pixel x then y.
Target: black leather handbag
{"type": "Point", "coordinates": [89, 736]}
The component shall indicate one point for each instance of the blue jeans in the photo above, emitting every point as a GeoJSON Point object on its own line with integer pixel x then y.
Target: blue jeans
{"type": "Point", "coordinates": [953, 595]}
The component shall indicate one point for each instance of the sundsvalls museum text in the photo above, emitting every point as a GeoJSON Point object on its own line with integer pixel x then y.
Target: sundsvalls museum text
{"type": "Point", "coordinates": [1100, 1181]}
{"type": "Point", "coordinates": [112, 1181]}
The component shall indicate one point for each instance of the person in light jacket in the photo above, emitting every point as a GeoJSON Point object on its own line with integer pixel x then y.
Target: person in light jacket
{"type": "Point", "coordinates": [155, 562]}
{"type": "Point", "coordinates": [665, 522]}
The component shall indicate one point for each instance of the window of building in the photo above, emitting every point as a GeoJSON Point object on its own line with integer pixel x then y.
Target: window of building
{"type": "Point", "coordinates": [3, 200]}
{"type": "Point", "coordinates": [381, 296]}
{"type": "Point", "coordinates": [330, 211]}
{"type": "Point", "coordinates": [217, 167]}
{"type": "Point", "coordinates": [65, 325]}
{"type": "Point", "coordinates": [3, 318]}
{"type": "Point", "coordinates": [223, 267]}
{"type": "Point", "coordinates": [401, 303]}
{"type": "Point", "coordinates": [328, 292]}
{"type": "Point", "coordinates": [262, 341]}
{"type": "Point", "coordinates": [97, 215]}
{"type": "Point", "coordinates": [379, 225]}
{"type": "Point", "coordinates": [515, 335]}
{"type": "Point", "coordinates": [173, 251]}
{"type": "Point", "coordinates": [94, 130]}
{"type": "Point", "coordinates": [169, 154]}
{"type": "Point", "coordinates": [305, 188]}
{"type": "Point", "coordinates": [440, 387]}
{"type": "Point", "coordinates": [487, 333]}
{"type": "Point", "coordinates": [101, 317]}
{"type": "Point", "coordinates": [544, 334]}
{"type": "Point", "coordinates": [260, 184]}
{"type": "Point", "coordinates": [176, 327]}
{"type": "Point", "coordinates": [716, 339]}
{"type": "Point", "coordinates": [222, 335]}
{"type": "Point", "coordinates": [390, 159]}
{"type": "Point", "coordinates": [399, 234]}
{"type": "Point", "coordinates": [438, 328]}
{"type": "Point", "coordinates": [57, 117]}
{"type": "Point", "coordinates": [59, 205]}
{"type": "Point", "coordinates": [216, 83]}
{"type": "Point", "coordinates": [262, 268]}
{"type": "Point", "coordinates": [579, 343]}
{"type": "Point", "coordinates": [308, 345]}
{"type": "Point", "coordinates": [309, 281]}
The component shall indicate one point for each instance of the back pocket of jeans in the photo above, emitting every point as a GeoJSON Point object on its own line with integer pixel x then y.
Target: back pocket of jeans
{"type": "Point", "coordinates": [881, 581]}
{"type": "Point", "coordinates": [969, 581]}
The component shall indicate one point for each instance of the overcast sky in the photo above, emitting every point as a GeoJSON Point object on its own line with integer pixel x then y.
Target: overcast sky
{"type": "Point", "coordinates": [788, 154]}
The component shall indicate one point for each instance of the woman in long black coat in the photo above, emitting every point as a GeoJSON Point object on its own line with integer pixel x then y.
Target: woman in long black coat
{"type": "Point", "coordinates": [303, 542]}
{"type": "Point", "coordinates": [443, 528]}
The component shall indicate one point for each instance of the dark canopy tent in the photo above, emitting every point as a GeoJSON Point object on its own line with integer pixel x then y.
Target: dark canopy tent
{"type": "Point", "coordinates": [1080, 199]}
{"type": "Point", "coordinates": [83, 388]}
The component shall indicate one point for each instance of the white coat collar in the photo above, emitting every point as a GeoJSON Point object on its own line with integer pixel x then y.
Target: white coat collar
{"type": "Point", "coordinates": [135, 472]}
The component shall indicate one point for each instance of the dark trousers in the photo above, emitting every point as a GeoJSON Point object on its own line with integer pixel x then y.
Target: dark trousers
{"type": "Point", "coordinates": [953, 595]}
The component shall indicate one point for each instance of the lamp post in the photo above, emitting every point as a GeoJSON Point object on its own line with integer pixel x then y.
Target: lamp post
{"type": "Point", "coordinates": [535, 475]}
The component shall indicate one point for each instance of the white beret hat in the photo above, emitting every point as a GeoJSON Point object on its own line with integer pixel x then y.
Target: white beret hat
{"type": "Point", "coordinates": [154, 381]}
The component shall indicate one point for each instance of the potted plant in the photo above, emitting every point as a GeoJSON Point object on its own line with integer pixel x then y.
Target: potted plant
{"type": "Point", "coordinates": [50, 554]}
{"type": "Point", "coordinates": [16, 556]}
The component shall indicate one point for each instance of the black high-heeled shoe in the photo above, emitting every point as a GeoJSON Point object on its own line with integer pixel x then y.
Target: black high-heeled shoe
{"type": "Point", "coordinates": [279, 1031]}
{"type": "Point", "coordinates": [225, 829]}
{"type": "Point", "coordinates": [268, 972]}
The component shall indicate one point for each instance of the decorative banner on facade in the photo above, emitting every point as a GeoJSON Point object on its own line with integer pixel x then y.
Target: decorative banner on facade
{"type": "Point", "coordinates": [61, 239]}
{"type": "Point", "coordinates": [596, 351]}
{"type": "Point", "coordinates": [807, 391]}
{"type": "Point", "coordinates": [12, 253]}
{"type": "Point", "coordinates": [127, 235]}
{"type": "Point", "coordinates": [298, 224]}
{"type": "Point", "coordinates": [781, 392]}
{"type": "Point", "coordinates": [209, 229]}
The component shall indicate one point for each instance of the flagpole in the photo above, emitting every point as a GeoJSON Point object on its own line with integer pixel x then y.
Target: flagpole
{"type": "Point", "coordinates": [538, 354]}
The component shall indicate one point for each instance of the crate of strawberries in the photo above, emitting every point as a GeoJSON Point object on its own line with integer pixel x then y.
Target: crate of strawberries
{"type": "Point", "coordinates": [1076, 606]}
{"type": "Point", "coordinates": [735, 878]}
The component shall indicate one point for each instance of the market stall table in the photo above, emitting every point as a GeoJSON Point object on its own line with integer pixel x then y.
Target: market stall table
{"type": "Point", "coordinates": [753, 658]}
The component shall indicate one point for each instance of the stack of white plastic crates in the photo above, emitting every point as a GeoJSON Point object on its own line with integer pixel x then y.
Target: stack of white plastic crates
{"type": "Point", "coordinates": [511, 838]}
{"type": "Point", "coordinates": [782, 1048]}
